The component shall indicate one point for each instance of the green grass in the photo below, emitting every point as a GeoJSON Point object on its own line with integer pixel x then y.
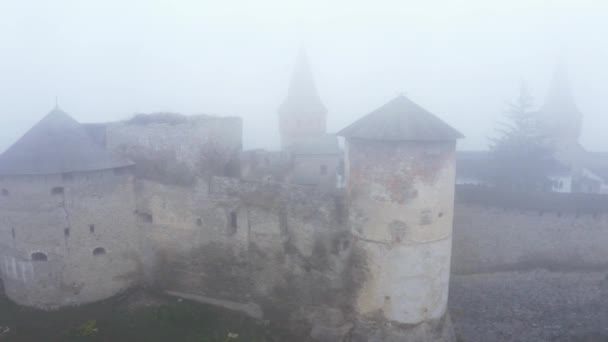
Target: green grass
{"type": "Point", "coordinates": [115, 320]}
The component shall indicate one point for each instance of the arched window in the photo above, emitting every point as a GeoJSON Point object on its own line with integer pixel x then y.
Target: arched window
{"type": "Point", "coordinates": [99, 251]}
{"type": "Point", "coordinates": [39, 256]}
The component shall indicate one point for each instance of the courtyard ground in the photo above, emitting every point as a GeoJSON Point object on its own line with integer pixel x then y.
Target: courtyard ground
{"type": "Point", "coordinates": [534, 306]}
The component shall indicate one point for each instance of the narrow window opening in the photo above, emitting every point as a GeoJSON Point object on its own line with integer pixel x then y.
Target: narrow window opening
{"type": "Point", "coordinates": [13, 232]}
{"type": "Point", "coordinates": [92, 228]}
{"type": "Point", "coordinates": [66, 232]}
{"type": "Point", "coordinates": [323, 170]}
{"type": "Point", "coordinates": [39, 256]}
{"type": "Point", "coordinates": [58, 190]}
{"type": "Point", "coordinates": [199, 222]}
{"type": "Point", "coordinates": [99, 251]}
{"type": "Point", "coordinates": [5, 192]}
{"type": "Point", "coordinates": [233, 224]}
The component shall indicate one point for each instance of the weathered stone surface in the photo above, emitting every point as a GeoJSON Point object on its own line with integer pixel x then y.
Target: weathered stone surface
{"type": "Point", "coordinates": [67, 218]}
{"type": "Point", "coordinates": [488, 238]}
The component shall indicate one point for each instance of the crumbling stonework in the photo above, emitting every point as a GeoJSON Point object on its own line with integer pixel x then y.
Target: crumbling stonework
{"type": "Point", "coordinates": [288, 254]}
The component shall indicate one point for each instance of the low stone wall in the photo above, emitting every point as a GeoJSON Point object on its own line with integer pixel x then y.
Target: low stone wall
{"type": "Point", "coordinates": [553, 231]}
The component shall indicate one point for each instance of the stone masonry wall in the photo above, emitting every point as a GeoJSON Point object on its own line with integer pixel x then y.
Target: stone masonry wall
{"type": "Point", "coordinates": [556, 232]}
{"type": "Point", "coordinates": [179, 152]}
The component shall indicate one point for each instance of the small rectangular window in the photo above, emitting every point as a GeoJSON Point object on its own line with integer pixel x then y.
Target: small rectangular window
{"type": "Point", "coordinates": [323, 170]}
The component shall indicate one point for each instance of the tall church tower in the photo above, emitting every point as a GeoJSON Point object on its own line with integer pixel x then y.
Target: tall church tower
{"type": "Point", "coordinates": [559, 114]}
{"type": "Point", "coordinates": [302, 115]}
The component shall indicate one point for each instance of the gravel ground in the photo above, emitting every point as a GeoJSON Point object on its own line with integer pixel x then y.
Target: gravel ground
{"type": "Point", "coordinates": [530, 306]}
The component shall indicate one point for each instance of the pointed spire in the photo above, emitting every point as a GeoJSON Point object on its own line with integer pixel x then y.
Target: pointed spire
{"type": "Point", "coordinates": [302, 96]}
{"type": "Point", "coordinates": [560, 114]}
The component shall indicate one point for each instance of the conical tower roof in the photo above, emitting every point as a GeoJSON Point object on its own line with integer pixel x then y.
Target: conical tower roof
{"type": "Point", "coordinates": [401, 120]}
{"type": "Point", "coordinates": [302, 96]}
{"type": "Point", "coordinates": [57, 144]}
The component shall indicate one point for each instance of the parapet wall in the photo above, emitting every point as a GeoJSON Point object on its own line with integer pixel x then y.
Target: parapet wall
{"type": "Point", "coordinates": [497, 231]}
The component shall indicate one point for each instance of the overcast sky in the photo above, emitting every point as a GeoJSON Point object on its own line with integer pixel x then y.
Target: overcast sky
{"type": "Point", "coordinates": [462, 60]}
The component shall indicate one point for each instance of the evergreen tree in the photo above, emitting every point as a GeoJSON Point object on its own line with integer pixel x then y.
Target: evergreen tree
{"type": "Point", "coordinates": [520, 157]}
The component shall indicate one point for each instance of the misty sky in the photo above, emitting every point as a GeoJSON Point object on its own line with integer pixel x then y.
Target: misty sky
{"type": "Point", "coordinates": [462, 60]}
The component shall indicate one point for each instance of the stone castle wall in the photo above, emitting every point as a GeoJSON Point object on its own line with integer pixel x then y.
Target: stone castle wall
{"type": "Point", "coordinates": [68, 239]}
{"type": "Point", "coordinates": [179, 152]}
{"type": "Point", "coordinates": [496, 231]}
{"type": "Point", "coordinates": [277, 251]}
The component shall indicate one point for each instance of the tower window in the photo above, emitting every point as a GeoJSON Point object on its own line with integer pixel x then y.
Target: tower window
{"type": "Point", "coordinates": [66, 232]}
{"type": "Point", "coordinates": [323, 170]}
{"type": "Point", "coordinates": [39, 256]}
{"type": "Point", "coordinates": [99, 251]}
{"type": "Point", "coordinates": [5, 192]}
{"type": "Point", "coordinates": [92, 228]}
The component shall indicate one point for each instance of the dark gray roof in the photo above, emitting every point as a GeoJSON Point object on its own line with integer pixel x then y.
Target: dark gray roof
{"type": "Point", "coordinates": [324, 144]}
{"type": "Point", "coordinates": [57, 144]}
{"type": "Point", "coordinates": [401, 120]}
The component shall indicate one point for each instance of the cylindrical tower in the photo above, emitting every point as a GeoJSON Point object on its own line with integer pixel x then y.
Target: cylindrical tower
{"type": "Point", "coordinates": [400, 182]}
{"type": "Point", "coordinates": [67, 228]}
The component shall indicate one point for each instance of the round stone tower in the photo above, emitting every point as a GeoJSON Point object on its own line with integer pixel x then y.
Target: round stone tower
{"type": "Point", "coordinates": [67, 228]}
{"type": "Point", "coordinates": [400, 183]}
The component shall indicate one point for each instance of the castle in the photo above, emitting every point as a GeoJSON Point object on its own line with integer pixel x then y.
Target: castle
{"type": "Point", "coordinates": [89, 210]}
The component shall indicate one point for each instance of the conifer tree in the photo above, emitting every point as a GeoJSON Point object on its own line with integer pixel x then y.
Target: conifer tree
{"type": "Point", "coordinates": [519, 155]}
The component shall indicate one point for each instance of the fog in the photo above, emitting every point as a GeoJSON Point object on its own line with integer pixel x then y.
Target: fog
{"type": "Point", "coordinates": [105, 60]}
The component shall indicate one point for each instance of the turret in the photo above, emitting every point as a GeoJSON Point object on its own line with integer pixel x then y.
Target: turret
{"type": "Point", "coordinates": [400, 185]}
{"type": "Point", "coordinates": [67, 229]}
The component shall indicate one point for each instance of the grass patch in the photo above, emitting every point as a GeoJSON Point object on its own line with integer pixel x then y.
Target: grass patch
{"type": "Point", "coordinates": [119, 319]}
